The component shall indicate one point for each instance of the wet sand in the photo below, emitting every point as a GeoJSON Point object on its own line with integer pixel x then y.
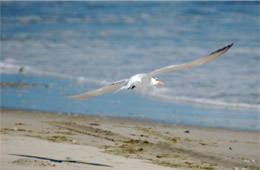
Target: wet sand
{"type": "Point", "coordinates": [36, 140]}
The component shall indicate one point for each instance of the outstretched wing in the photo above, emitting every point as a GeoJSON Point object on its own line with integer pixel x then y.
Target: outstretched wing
{"type": "Point", "coordinates": [105, 89]}
{"type": "Point", "coordinates": [193, 63]}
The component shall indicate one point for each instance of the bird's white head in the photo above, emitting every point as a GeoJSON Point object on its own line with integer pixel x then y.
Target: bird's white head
{"type": "Point", "coordinates": [155, 81]}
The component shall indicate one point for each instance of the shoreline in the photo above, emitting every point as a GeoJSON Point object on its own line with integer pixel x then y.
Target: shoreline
{"type": "Point", "coordinates": [117, 117]}
{"type": "Point", "coordinates": [119, 142]}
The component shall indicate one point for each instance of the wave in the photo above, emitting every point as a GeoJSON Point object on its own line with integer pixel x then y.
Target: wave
{"type": "Point", "coordinates": [158, 94]}
{"type": "Point", "coordinates": [12, 68]}
{"type": "Point", "coordinates": [110, 18]}
{"type": "Point", "coordinates": [204, 102]}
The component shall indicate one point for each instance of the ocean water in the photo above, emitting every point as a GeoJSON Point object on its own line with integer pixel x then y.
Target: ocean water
{"type": "Point", "coordinates": [72, 47]}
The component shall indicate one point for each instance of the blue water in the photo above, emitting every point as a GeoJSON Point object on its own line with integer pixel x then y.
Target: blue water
{"type": "Point", "coordinates": [50, 97]}
{"type": "Point", "coordinates": [72, 47]}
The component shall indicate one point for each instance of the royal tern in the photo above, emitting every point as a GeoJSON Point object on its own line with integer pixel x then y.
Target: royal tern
{"type": "Point", "coordinates": [146, 80]}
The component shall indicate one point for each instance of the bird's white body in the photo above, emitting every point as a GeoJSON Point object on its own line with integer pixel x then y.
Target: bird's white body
{"type": "Point", "coordinates": [137, 81]}
{"type": "Point", "coordinates": [145, 80]}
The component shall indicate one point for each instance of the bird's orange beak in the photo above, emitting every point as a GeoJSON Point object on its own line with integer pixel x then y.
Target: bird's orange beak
{"type": "Point", "coordinates": [160, 83]}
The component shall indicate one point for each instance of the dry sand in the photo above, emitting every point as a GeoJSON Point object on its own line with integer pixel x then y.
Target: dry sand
{"type": "Point", "coordinates": [39, 140]}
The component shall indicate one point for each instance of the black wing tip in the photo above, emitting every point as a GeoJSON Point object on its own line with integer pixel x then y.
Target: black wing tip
{"type": "Point", "coordinates": [230, 45]}
{"type": "Point", "coordinates": [224, 48]}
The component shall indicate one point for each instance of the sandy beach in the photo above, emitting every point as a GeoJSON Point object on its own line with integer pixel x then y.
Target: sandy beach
{"type": "Point", "coordinates": [40, 140]}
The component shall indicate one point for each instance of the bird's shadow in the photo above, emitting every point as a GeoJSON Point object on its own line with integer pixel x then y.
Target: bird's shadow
{"type": "Point", "coordinates": [60, 161]}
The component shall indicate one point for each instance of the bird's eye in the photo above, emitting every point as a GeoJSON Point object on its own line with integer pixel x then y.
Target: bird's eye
{"type": "Point", "coordinates": [156, 78]}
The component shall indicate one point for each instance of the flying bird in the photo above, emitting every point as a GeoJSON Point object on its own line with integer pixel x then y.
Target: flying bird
{"type": "Point", "coordinates": [146, 80]}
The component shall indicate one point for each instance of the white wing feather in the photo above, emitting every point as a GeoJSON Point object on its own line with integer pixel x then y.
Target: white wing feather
{"type": "Point", "coordinates": [105, 89]}
{"type": "Point", "coordinates": [193, 63]}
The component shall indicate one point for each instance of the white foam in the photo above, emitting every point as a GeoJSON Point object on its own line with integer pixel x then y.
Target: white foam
{"type": "Point", "coordinates": [204, 102]}
{"type": "Point", "coordinates": [12, 68]}
{"type": "Point", "coordinates": [110, 18]}
{"type": "Point", "coordinates": [9, 68]}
